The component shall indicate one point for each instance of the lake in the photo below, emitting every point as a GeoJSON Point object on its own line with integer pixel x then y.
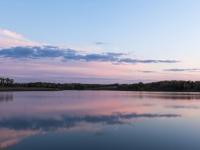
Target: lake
{"type": "Point", "coordinates": [99, 120]}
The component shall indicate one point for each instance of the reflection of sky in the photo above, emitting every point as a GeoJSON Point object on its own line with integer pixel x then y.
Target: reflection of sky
{"type": "Point", "coordinates": [30, 113]}
{"type": "Point", "coordinates": [92, 103]}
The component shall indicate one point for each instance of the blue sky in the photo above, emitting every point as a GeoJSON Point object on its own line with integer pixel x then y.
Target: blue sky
{"type": "Point", "coordinates": [142, 29]}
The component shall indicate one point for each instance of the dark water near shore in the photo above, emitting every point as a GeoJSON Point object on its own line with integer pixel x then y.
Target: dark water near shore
{"type": "Point", "coordinates": [99, 120]}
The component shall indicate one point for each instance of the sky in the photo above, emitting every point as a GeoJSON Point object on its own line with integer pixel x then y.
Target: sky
{"type": "Point", "coordinates": [100, 41]}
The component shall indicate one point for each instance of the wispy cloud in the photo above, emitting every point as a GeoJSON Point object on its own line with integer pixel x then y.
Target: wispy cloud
{"type": "Point", "coordinates": [100, 43]}
{"type": "Point", "coordinates": [130, 60]}
{"type": "Point", "coordinates": [183, 69]}
{"type": "Point", "coordinates": [11, 34]}
{"type": "Point", "coordinates": [12, 39]}
{"type": "Point", "coordinates": [40, 52]}
{"type": "Point", "coordinates": [182, 107]}
{"type": "Point", "coordinates": [146, 71]}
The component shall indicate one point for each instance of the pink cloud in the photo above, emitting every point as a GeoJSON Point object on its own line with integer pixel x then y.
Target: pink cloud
{"type": "Point", "coordinates": [12, 39]}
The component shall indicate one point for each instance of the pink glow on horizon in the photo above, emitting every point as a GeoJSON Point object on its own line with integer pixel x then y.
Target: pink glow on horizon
{"type": "Point", "coordinates": [49, 69]}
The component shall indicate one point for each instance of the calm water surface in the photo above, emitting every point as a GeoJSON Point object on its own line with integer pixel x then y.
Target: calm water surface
{"type": "Point", "coordinates": [99, 120]}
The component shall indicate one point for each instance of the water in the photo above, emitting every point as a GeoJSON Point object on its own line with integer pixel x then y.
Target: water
{"type": "Point", "coordinates": [99, 120]}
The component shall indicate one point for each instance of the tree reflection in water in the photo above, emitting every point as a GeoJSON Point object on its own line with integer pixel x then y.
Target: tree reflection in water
{"type": "Point", "coordinates": [6, 97]}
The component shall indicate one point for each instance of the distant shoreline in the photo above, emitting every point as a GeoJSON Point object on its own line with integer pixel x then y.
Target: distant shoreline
{"type": "Point", "coordinates": [161, 86]}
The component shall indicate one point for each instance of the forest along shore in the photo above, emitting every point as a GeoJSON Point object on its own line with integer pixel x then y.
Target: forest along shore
{"type": "Point", "coordinates": [7, 84]}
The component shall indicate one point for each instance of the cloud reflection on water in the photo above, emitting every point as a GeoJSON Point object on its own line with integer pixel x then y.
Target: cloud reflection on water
{"type": "Point", "coordinates": [35, 113]}
{"type": "Point", "coordinates": [66, 121]}
{"type": "Point", "coordinates": [12, 130]}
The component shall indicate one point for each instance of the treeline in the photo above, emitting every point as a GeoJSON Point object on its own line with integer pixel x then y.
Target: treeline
{"type": "Point", "coordinates": [190, 86]}
{"type": "Point", "coordinates": [66, 86]}
{"type": "Point", "coordinates": [154, 86]}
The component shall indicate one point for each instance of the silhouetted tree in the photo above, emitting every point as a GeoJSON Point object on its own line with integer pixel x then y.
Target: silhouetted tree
{"type": "Point", "coordinates": [6, 82]}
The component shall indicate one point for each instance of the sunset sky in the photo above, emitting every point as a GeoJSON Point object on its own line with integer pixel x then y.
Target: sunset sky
{"type": "Point", "coordinates": [100, 41]}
